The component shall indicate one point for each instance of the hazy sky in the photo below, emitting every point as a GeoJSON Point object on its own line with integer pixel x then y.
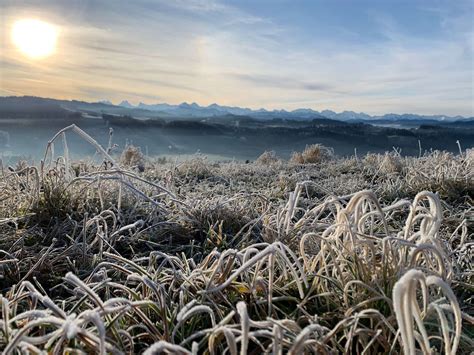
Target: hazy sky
{"type": "Point", "coordinates": [373, 56]}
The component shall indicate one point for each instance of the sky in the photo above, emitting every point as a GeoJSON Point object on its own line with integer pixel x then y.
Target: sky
{"type": "Point", "coordinates": [368, 56]}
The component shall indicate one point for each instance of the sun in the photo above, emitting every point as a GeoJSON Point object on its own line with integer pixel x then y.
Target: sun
{"type": "Point", "coordinates": [34, 38]}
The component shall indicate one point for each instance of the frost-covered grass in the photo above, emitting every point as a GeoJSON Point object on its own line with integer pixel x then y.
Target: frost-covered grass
{"type": "Point", "coordinates": [358, 255]}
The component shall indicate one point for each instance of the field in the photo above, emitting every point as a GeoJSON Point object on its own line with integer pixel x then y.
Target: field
{"type": "Point", "coordinates": [318, 254]}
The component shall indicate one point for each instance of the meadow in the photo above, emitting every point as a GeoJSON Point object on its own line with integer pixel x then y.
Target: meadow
{"type": "Point", "coordinates": [124, 253]}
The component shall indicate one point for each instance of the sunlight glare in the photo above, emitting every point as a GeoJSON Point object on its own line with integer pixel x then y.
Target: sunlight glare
{"type": "Point", "coordinates": [34, 38]}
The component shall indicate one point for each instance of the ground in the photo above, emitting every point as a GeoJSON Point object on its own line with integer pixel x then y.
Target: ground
{"type": "Point", "coordinates": [321, 254]}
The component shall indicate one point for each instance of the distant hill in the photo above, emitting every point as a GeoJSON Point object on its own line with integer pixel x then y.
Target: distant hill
{"type": "Point", "coordinates": [33, 107]}
{"type": "Point", "coordinates": [36, 107]}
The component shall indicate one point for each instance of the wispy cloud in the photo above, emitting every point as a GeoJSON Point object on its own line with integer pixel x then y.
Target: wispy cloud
{"type": "Point", "coordinates": [280, 82]}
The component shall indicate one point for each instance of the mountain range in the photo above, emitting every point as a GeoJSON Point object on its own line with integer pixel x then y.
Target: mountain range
{"type": "Point", "coordinates": [22, 106]}
{"type": "Point", "coordinates": [195, 110]}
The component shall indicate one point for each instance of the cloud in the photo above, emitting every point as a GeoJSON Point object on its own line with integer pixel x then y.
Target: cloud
{"type": "Point", "coordinates": [280, 82]}
{"type": "Point", "coordinates": [116, 50]}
